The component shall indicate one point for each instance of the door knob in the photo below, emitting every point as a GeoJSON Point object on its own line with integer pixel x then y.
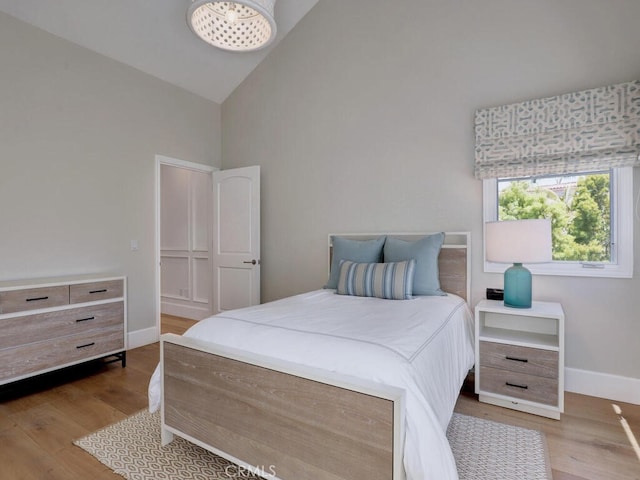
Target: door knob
{"type": "Point", "coordinates": [253, 262]}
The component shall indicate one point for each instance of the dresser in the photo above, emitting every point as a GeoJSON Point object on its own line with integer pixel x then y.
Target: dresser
{"type": "Point", "coordinates": [48, 324]}
{"type": "Point", "coordinates": [520, 357]}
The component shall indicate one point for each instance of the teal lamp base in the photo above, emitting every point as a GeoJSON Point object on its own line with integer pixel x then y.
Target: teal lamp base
{"type": "Point", "coordinates": [517, 287]}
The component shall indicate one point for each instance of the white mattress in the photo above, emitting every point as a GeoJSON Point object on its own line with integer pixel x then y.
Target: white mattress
{"type": "Point", "coordinates": [423, 345]}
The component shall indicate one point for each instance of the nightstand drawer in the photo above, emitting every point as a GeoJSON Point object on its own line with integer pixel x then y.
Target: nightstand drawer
{"type": "Point", "coordinates": [33, 298]}
{"type": "Point", "coordinates": [531, 361]}
{"type": "Point", "coordinates": [519, 385]}
{"type": "Point", "coordinates": [94, 291]}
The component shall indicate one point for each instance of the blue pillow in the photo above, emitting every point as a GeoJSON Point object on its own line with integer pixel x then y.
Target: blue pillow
{"type": "Point", "coordinates": [365, 251]}
{"type": "Point", "coordinates": [393, 281]}
{"type": "Point", "coordinates": [425, 252]}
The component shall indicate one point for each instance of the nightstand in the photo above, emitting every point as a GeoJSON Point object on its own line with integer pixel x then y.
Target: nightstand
{"type": "Point", "coordinates": [520, 357]}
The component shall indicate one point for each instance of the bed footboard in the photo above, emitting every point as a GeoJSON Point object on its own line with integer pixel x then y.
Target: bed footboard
{"type": "Point", "coordinates": [279, 419]}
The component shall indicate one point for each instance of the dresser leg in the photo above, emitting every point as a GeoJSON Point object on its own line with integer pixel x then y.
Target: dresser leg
{"type": "Point", "coordinates": [117, 357]}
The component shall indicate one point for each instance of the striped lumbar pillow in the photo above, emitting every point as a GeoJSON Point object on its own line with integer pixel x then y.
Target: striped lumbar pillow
{"type": "Point", "coordinates": [393, 280]}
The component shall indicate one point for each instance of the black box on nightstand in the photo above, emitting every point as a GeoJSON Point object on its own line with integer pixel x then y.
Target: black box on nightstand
{"type": "Point", "coordinates": [495, 294]}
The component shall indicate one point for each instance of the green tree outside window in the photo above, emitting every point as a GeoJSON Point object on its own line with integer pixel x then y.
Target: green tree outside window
{"type": "Point", "coordinates": [580, 213]}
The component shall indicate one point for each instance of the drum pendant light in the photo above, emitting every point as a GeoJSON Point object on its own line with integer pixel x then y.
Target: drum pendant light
{"type": "Point", "coordinates": [239, 26]}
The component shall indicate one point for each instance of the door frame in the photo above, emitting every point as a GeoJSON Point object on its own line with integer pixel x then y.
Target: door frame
{"type": "Point", "coordinates": [174, 162]}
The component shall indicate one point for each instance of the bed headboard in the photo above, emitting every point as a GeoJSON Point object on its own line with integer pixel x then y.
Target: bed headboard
{"type": "Point", "coordinates": [453, 263]}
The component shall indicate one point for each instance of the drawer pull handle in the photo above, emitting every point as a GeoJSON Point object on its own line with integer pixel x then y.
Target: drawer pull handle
{"type": "Point", "coordinates": [85, 319]}
{"type": "Point", "coordinates": [516, 359]}
{"type": "Point", "coordinates": [509, 384]}
{"type": "Point", "coordinates": [98, 291]}
{"type": "Point", "coordinates": [36, 299]}
{"type": "Point", "coordinates": [86, 345]}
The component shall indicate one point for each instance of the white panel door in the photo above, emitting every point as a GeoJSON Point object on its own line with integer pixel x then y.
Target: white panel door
{"type": "Point", "coordinates": [236, 238]}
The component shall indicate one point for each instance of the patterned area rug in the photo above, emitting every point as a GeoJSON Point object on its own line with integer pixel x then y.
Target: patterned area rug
{"type": "Point", "coordinates": [489, 450]}
{"type": "Point", "coordinates": [484, 450]}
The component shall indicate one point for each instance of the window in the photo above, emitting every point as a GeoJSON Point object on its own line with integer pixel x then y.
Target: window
{"type": "Point", "coordinates": [591, 216]}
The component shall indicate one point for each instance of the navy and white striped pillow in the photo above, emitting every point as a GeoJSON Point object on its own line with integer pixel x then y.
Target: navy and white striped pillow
{"type": "Point", "coordinates": [393, 280]}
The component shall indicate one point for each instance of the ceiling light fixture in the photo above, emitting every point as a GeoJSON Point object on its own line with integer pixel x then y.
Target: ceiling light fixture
{"type": "Point", "coordinates": [239, 26]}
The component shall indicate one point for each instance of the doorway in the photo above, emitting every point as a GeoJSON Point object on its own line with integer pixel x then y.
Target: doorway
{"type": "Point", "coordinates": [183, 239]}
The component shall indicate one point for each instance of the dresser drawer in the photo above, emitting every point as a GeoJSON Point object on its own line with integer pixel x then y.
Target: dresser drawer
{"type": "Point", "coordinates": [519, 385]}
{"type": "Point", "coordinates": [94, 291]}
{"type": "Point", "coordinates": [43, 326]}
{"type": "Point", "coordinates": [34, 357]}
{"type": "Point", "coordinates": [532, 361]}
{"type": "Point", "coordinates": [33, 298]}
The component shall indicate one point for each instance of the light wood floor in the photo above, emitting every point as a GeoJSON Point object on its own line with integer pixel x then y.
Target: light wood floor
{"type": "Point", "coordinates": [39, 419]}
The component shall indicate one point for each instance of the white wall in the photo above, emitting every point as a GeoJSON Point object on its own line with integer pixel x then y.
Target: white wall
{"type": "Point", "coordinates": [362, 121]}
{"type": "Point", "coordinates": [78, 138]}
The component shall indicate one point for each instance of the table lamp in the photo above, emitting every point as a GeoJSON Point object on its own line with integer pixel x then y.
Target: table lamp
{"type": "Point", "coordinates": [518, 242]}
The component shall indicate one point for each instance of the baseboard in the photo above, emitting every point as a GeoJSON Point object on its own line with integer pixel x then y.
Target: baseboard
{"type": "Point", "coordinates": [139, 338]}
{"type": "Point", "coordinates": [603, 385]}
{"type": "Point", "coordinates": [184, 311]}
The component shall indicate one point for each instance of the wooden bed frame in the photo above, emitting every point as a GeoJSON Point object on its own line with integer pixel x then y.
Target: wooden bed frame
{"type": "Point", "coordinates": [282, 420]}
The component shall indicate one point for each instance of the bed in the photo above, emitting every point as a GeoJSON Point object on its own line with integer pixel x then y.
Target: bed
{"type": "Point", "coordinates": [326, 386]}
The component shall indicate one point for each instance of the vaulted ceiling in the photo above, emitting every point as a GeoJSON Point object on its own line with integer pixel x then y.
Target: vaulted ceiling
{"type": "Point", "coordinates": [153, 36]}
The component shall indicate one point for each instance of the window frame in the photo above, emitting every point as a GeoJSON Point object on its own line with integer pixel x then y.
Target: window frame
{"type": "Point", "coordinates": [621, 265]}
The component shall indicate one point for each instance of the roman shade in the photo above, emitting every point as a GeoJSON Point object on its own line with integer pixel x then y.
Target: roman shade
{"type": "Point", "coordinates": [585, 131]}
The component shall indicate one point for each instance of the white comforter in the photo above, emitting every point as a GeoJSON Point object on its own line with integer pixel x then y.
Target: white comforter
{"type": "Point", "coordinates": [424, 346]}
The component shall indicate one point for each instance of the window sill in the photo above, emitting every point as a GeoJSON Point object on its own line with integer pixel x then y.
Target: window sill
{"type": "Point", "coordinates": [569, 269]}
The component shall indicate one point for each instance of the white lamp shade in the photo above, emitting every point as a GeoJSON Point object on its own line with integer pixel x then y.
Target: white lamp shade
{"type": "Point", "coordinates": [242, 25]}
{"type": "Point", "coordinates": [518, 241]}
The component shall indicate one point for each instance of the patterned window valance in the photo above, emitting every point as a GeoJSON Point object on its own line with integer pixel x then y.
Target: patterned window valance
{"type": "Point", "coordinates": [577, 132]}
